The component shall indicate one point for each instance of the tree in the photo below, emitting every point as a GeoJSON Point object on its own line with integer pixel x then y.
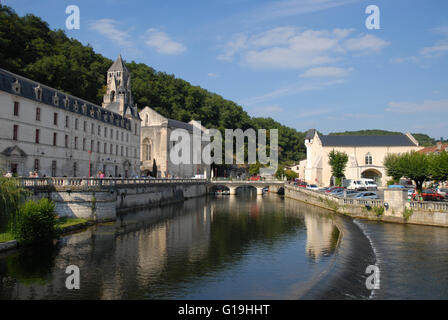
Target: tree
{"type": "Point", "coordinates": [392, 168]}
{"type": "Point", "coordinates": [11, 197]}
{"type": "Point", "coordinates": [414, 165]}
{"type": "Point", "coordinates": [290, 175]}
{"type": "Point", "coordinates": [254, 169]}
{"type": "Point", "coordinates": [154, 168]}
{"type": "Point", "coordinates": [338, 162]}
{"type": "Point", "coordinates": [438, 166]}
{"type": "Point", "coordinates": [279, 174]}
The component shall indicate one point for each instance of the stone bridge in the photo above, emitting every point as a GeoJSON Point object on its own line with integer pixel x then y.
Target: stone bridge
{"type": "Point", "coordinates": [232, 185]}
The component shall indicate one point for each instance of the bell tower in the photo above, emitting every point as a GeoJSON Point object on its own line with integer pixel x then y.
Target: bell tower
{"type": "Point", "coordinates": [118, 97]}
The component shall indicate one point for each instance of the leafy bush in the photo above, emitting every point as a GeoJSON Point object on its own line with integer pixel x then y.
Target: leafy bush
{"type": "Point", "coordinates": [37, 222]}
{"type": "Point", "coordinates": [407, 213]}
{"type": "Point", "coordinates": [11, 196]}
{"type": "Point", "coordinates": [378, 211]}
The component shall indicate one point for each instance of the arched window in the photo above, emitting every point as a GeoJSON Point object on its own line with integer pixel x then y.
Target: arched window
{"type": "Point", "coordinates": [368, 158]}
{"type": "Point", "coordinates": [112, 95]}
{"type": "Point", "coordinates": [147, 120]}
{"type": "Point", "coordinates": [146, 148]}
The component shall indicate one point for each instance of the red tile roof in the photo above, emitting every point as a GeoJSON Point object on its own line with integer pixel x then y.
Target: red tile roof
{"type": "Point", "coordinates": [439, 147]}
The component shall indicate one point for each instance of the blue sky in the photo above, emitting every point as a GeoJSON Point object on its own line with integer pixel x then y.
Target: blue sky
{"type": "Point", "coordinates": [305, 63]}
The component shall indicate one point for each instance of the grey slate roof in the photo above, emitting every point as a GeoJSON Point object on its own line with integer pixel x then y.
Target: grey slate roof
{"type": "Point", "coordinates": [310, 134]}
{"type": "Point", "coordinates": [367, 141]}
{"type": "Point", "coordinates": [179, 124]}
{"type": "Point", "coordinates": [75, 104]}
{"type": "Point", "coordinates": [118, 65]}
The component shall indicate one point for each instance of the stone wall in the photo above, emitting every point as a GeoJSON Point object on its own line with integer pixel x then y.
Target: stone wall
{"type": "Point", "coordinates": [395, 207]}
{"type": "Point", "coordinates": [104, 204]}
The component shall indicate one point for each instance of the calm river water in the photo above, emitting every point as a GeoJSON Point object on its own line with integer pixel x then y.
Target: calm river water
{"type": "Point", "coordinates": [227, 247]}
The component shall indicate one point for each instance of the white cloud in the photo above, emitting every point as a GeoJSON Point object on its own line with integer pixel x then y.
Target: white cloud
{"type": "Point", "coordinates": [290, 91]}
{"type": "Point", "coordinates": [287, 8]}
{"type": "Point", "coordinates": [267, 110]}
{"type": "Point", "coordinates": [366, 44]}
{"type": "Point", "coordinates": [237, 43]}
{"type": "Point", "coordinates": [413, 107]}
{"type": "Point", "coordinates": [293, 48]}
{"type": "Point", "coordinates": [326, 72]}
{"type": "Point", "coordinates": [162, 42]}
{"type": "Point", "coordinates": [108, 28]}
{"type": "Point", "coordinates": [435, 50]}
{"type": "Point", "coordinates": [412, 59]}
{"type": "Point", "coordinates": [313, 112]}
{"type": "Point", "coordinates": [362, 116]}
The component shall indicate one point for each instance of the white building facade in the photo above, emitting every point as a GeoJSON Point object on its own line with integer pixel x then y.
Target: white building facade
{"type": "Point", "coordinates": [365, 155]}
{"type": "Point", "coordinates": [45, 130]}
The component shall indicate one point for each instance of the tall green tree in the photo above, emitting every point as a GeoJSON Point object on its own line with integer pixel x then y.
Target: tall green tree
{"type": "Point", "coordinates": [391, 163]}
{"type": "Point", "coordinates": [338, 162]}
{"type": "Point", "coordinates": [414, 165]}
{"type": "Point", "coordinates": [438, 166]}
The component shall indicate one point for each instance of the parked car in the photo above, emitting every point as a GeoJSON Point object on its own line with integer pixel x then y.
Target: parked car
{"type": "Point", "coordinates": [351, 193]}
{"type": "Point", "coordinates": [366, 195]}
{"type": "Point", "coordinates": [370, 184]}
{"type": "Point", "coordinates": [338, 192]}
{"type": "Point", "coordinates": [313, 187]}
{"type": "Point", "coordinates": [255, 178]}
{"type": "Point", "coordinates": [396, 186]}
{"type": "Point", "coordinates": [354, 185]}
{"type": "Point", "coordinates": [332, 189]}
{"type": "Point", "coordinates": [442, 191]}
{"type": "Point", "coordinates": [428, 195]}
{"type": "Point", "coordinates": [410, 193]}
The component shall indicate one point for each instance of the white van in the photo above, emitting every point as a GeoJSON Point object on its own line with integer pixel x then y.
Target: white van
{"type": "Point", "coordinates": [370, 184]}
{"type": "Point", "coordinates": [357, 185]}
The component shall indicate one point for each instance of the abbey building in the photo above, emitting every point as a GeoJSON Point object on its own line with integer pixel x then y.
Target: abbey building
{"type": "Point", "coordinates": [56, 134]}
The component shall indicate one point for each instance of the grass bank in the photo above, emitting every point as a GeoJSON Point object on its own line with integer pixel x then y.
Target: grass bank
{"type": "Point", "coordinates": [66, 224]}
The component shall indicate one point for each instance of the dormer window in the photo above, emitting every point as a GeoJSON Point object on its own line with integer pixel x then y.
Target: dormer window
{"type": "Point", "coordinates": [368, 158]}
{"type": "Point", "coordinates": [76, 106]}
{"type": "Point", "coordinates": [38, 92]}
{"type": "Point", "coordinates": [84, 108]}
{"type": "Point", "coordinates": [56, 99]}
{"type": "Point", "coordinates": [66, 103]}
{"type": "Point", "coordinates": [16, 86]}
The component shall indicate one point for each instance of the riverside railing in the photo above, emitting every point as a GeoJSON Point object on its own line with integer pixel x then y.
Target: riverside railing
{"type": "Point", "coordinates": [340, 200]}
{"type": "Point", "coordinates": [99, 182]}
{"type": "Point", "coordinates": [416, 205]}
{"type": "Point", "coordinates": [429, 206]}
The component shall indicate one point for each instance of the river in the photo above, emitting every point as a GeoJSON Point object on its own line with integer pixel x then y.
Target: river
{"type": "Point", "coordinates": [234, 247]}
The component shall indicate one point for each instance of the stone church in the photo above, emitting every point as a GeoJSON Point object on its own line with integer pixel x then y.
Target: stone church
{"type": "Point", "coordinates": [156, 146]}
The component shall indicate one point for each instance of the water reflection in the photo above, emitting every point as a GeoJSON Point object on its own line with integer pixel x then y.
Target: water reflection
{"type": "Point", "coordinates": [227, 248]}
